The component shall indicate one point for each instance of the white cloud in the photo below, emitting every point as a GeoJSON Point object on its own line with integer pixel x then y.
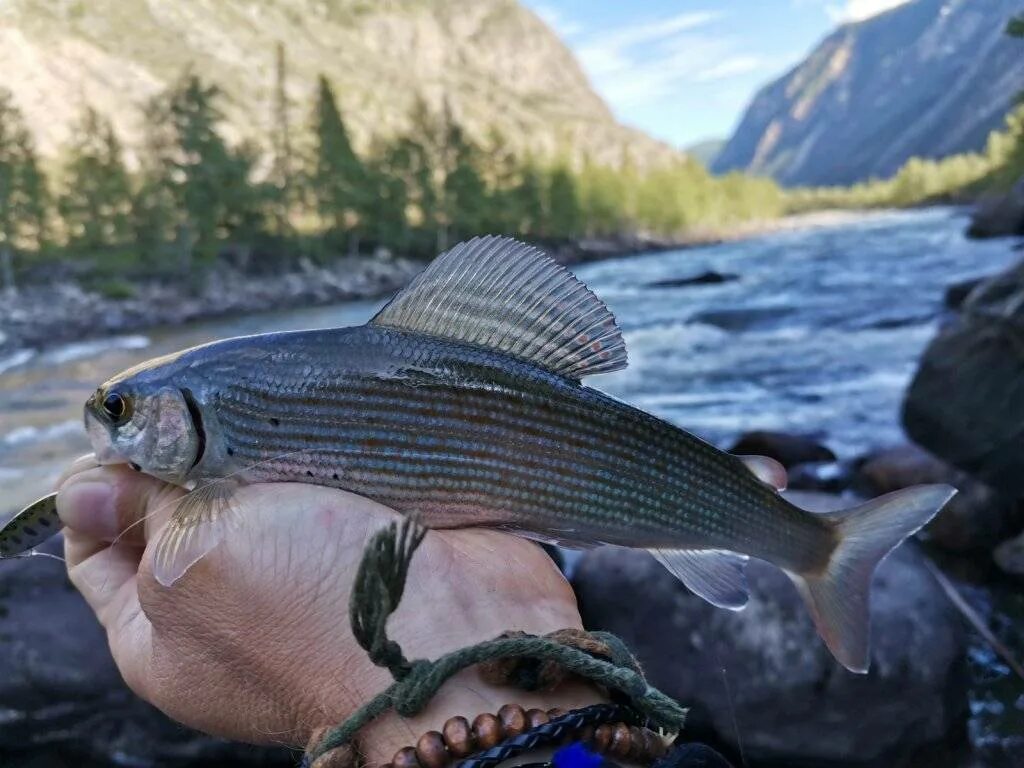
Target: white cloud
{"type": "Point", "coordinates": [857, 10]}
{"type": "Point", "coordinates": [649, 60]}
{"type": "Point", "coordinates": [730, 67]}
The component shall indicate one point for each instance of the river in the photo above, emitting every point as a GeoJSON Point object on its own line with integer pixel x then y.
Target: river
{"type": "Point", "coordinates": [818, 332]}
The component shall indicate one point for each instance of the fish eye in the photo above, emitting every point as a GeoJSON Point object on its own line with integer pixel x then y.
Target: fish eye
{"type": "Point", "coordinates": [116, 407]}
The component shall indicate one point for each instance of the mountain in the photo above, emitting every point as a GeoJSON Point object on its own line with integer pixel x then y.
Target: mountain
{"type": "Point", "coordinates": [929, 78]}
{"type": "Point", "coordinates": [494, 62]}
{"type": "Point", "coordinates": [705, 152]}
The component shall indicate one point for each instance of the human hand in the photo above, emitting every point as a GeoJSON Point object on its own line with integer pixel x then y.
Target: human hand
{"type": "Point", "coordinates": [254, 642]}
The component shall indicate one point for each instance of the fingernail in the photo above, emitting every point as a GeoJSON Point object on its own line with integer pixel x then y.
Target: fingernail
{"type": "Point", "coordinates": [88, 507]}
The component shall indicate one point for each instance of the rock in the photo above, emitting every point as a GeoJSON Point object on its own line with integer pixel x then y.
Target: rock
{"type": "Point", "coordinates": [787, 449]}
{"type": "Point", "coordinates": [823, 476]}
{"type": "Point", "coordinates": [742, 319]}
{"type": "Point", "coordinates": [1009, 556]}
{"type": "Point", "coordinates": [63, 700]}
{"type": "Point", "coordinates": [1000, 216]}
{"type": "Point", "coordinates": [711, 277]}
{"type": "Point", "coordinates": [966, 401]}
{"type": "Point", "coordinates": [957, 293]}
{"type": "Point", "coordinates": [977, 518]}
{"type": "Point", "coordinates": [763, 673]}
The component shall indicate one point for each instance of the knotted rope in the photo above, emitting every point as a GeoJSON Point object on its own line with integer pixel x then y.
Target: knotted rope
{"type": "Point", "coordinates": [380, 582]}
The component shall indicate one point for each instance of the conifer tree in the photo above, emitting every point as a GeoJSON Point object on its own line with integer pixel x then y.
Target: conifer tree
{"type": "Point", "coordinates": [23, 192]}
{"type": "Point", "coordinates": [564, 217]}
{"type": "Point", "coordinates": [208, 181]}
{"type": "Point", "coordinates": [338, 180]}
{"type": "Point", "coordinates": [96, 200]}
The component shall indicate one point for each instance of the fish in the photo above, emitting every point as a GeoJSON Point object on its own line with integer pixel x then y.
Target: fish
{"type": "Point", "coordinates": [31, 527]}
{"type": "Point", "coordinates": [462, 402]}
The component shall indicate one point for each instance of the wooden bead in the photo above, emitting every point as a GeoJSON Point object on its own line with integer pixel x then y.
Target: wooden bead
{"type": "Point", "coordinates": [658, 747]}
{"type": "Point", "coordinates": [535, 717]}
{"type": "Point", "coordinates": [405, 758]}
{"type": "Point", "coordinates": [487, 730]}
{"type": "Point", "coordinates": [586, 734]}
{"type": "Point", "coordinates": [513, 720]}
{"type": "Point", "coordinates": [637, 743]}
{"type": "Point", "coordinates": [430, 750]}
{"type": "Point", "coordinates": [621, 741]}
{"type": "Point", "coordinates": [458, 737]}
{"type": "Point", "coordinates": [603, 737]}
{"type": "Point", "coordinates": [339, 757]}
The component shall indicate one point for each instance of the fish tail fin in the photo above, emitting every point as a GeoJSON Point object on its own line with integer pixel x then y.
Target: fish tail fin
{"type": "Point", "coordinates": [837, 596]}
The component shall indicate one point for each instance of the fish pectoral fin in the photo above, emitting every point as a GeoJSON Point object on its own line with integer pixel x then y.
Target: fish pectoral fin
{"type": "Point", "coordinates": [197, 525]}
{"type": "Point", "coordinates": [717, 575]}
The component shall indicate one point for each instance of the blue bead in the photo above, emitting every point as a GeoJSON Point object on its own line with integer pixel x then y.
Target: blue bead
{"type": "Point", "coordinates": [576, 755]}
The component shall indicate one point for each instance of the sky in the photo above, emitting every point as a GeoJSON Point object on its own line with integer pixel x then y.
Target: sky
{"type": "Point", "coordinates": [684, 70]}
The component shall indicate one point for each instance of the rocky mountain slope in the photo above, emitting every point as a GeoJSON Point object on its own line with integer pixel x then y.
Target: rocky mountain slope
{"type": "Point", "coordinates": [928, 78]}
{"type": "Point", "coordinates": [495, 62]}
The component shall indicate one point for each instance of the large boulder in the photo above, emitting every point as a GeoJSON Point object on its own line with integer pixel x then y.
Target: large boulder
{"type": "Point", "coordinates": [1000, 216]}
{"type": "Point", "coordinates": [62, 700]}
{"type": "Point", "coordinates": [977, 518]}
{"type": "Point", "coordinates": [966, 401]}
{"type": "Point", "coordinates": [761, 680]}
{"type": "Point", "coordinates": [787, 449]}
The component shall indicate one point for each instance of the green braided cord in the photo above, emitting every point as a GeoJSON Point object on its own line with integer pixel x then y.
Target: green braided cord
{"type": "Point", "coordinates": [377, 592]}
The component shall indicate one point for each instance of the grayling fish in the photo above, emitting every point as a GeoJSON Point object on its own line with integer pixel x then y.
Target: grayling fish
{"type": "Point", "coordinates": [461, 401]}
{"type": "Point", "coordinates": [31, 527]}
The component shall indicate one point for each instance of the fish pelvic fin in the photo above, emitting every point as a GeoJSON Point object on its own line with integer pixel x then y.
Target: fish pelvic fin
{"type": "Point", "coordinates": [717, 575]}
{"type": "Point", "coordinates": [838, 596]}
{"type": "Point", "coordinates": [198, 524]}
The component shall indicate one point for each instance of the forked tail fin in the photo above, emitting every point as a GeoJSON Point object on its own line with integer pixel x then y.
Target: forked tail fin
{"type": "Point", "coordinates": [838, 596]}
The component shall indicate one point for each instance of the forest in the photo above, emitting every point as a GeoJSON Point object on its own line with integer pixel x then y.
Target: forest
{"type": "Point", "coordinates": [194, 197]}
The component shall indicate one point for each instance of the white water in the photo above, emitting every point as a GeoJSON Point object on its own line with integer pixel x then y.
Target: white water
{"type": "Point", "coordinates": [820, 334]}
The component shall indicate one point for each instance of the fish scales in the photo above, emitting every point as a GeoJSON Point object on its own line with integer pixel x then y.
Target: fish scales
{"type": "Point", "coordinates": [461, 401]}
{"type": "Point", "coordinates": [465, 420]}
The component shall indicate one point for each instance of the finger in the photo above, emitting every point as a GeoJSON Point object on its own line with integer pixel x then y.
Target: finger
{"type": "Point", "coordinates": [767, 471]}
{"type": "Point", "coordinates": [115, 503]}
{"type": "Point", "coordinates": [81, 464]}
{"type": "Point", "coordinates": [106, 579]}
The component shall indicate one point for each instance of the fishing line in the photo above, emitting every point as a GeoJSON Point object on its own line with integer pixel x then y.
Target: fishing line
{"type": "Point", "coordinates": [215, 481]}
{"type": "Point", "coordinates": [732, 708]}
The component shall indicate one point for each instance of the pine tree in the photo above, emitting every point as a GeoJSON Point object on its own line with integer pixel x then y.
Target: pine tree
{"type": "Point", "coordinates": [564, 217]}
{"type": "Point", "coordinates": [465, 193]}
{"type": "Point", "coordinates": [338, 181]}
{"type": "Point", "coordinates": [208, 181]}
{"type": "Point", "coordinates": [23, 191]}
{"type": "Point", "coordinates": [96, 200]}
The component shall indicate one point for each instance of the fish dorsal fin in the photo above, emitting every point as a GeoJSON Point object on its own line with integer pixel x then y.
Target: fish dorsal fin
{"type": "Point", "coordinates": [500, 293]}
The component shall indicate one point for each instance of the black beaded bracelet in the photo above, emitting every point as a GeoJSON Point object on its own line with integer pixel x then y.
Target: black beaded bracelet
{"type": "Point", "coordinates": [554, 732]}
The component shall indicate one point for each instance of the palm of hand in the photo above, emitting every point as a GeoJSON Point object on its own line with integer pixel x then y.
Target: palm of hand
{"type": "Point", "coordinates": [254, 643]}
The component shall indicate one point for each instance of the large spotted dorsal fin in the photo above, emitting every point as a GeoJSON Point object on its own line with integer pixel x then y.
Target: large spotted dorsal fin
{"type": "Point", "coordinates": [500, 293]}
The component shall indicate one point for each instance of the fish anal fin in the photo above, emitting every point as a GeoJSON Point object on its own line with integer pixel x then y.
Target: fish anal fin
{"type": "Point", "coordinates": [717, 575]}
{"type": "Point", "coordinates": [198, 524]}
{"type": "Point", "coordinates": [509, 296]}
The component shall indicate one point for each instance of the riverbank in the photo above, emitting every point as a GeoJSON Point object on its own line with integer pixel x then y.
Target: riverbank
{"type": "Point", "coordinates": [41, 316]}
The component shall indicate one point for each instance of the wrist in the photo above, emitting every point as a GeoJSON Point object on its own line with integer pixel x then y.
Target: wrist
{"type": "Point", "coordinates": [465, 695]}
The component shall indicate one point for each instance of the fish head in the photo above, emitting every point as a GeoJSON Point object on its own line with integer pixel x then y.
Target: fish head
{"type": "Point", "coordinates": [147, 422]}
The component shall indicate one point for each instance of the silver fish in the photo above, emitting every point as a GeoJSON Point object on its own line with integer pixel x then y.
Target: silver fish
{"type": "Point", "coordinates": [461, 401]}
{"type": "Point", "coordinates": [31, 527]}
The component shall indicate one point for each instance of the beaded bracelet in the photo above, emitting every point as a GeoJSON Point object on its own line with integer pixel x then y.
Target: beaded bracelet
{"type": "Point", "coordinates": [604, 727]}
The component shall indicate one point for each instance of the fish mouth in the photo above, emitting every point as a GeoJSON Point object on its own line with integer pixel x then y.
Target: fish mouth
{"type": "Point", "coordinates": [102, 446]}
